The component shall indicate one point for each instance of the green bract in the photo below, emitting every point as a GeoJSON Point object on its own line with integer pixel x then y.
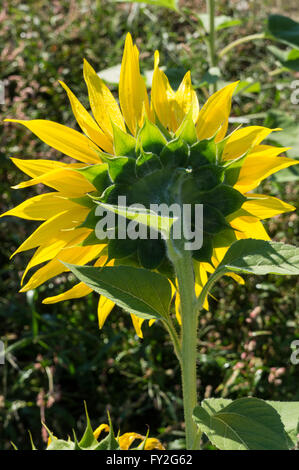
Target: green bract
{"type": "Point", "coordinates": [160, 168]}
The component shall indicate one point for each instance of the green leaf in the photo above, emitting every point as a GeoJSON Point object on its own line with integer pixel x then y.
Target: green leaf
{"type": "Point", "coordinates": [122, 169]}
{"type": "Point", "coordinates": [97, 175]}
{"type": "Point", "coordinates": [204, 254]}
{"type": "Point", "coordinates": [213, 405]}
{"type": "Point", "coordinates": [109, 442]}
{"type": "Point", "coordinates": [119, 248]}
{"type": "Point", "coordinates": [248, 86]}
{"type": "Point", "coordinates": [143, 216]}
{"type": "Point", "coordinates": [261, 257]}
{"type": "Point", "coordinates": [172, 4]}
{"type": "Point", "coordinates": [88, 441]}
{"type": "Point", "coordinates": [146, 163]}
{"type": "Point", "coordinates": [150, 138]}
{"type": "Point", "coordinates": [203, 178]}
{"type": "Point", "coordinates": [202, 153]}
{"type": "Point", "coordinates": [284, 29]}
{"type": "Point", "coordinates": [233, 168]}
{"type": "Point", "coordinates": [145, 293]}
{"type": "Point", "coordinates": [213, 220]}
{"type": "Point", "coordinates": [158, 187]}
{"type": "Point", "coordinates": [224, 238]}
{"type": "Point", "coordinates": [60, 444]}
{"type": "Point", "coordinates": [255, 257]}
{"type": "Point", "coordinates": [31, 442]}
{"type": "Point", "coordinates": [92, 239]}
{"type": "Point", "coordinates": [224, 198]}
{"type": "Point", "coordinates": [224, 22]}
{"type": "Point", "coordinates": [85, 201]}
{"type": "Point", "coordinates": [293, 58]}
{"type": "Point", "coordinates": [143, 443]}
{"type": "Point", "coordinates": [124, 144]}
{"type": "Point", "coordinates": [289, 59]}
{"type": "Point", "coordinates": [187, 130]}
{"type": "Point", "coordinates": [175, 153]}
{"type": "Point", "coordinates": [151, 253]}
{"type": "Point", "coordinates": [244, 424]}
{"type": "Point", "coordinates": [221, 22]}
{"type": "Point", "coordinates": [90, 221]}
{"type": "Point", "coordinates": [210, 77]}
{"type": "Point", "coordinates": [289, 414]}
{"type": "Point", "coordinates": [175, 76]}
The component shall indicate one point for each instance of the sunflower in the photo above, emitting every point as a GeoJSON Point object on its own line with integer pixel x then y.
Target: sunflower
{"type": "Point", "coordinates": [125, 440]}
{"type": "Point", "coordinates": [140, 148]}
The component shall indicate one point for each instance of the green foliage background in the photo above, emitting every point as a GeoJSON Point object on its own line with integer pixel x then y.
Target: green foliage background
{"type": "Point", "coordinates": [55, 355]}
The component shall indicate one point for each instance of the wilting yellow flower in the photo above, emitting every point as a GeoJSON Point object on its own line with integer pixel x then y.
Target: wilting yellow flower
{"type": "Point", "coordinates": [126, 440]}
{"type": "Point", "coordinates": [67, 229]}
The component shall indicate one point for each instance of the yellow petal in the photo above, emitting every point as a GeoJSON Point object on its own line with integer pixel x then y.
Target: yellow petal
{"type": "Point", "coordinates": [65, 180]}
{"type": "Point", "coordinates": [218, 255]}
{"type": "Point", "coordinates": [53, 247]}
{"type": "Point", "coordinates": [245, 139]}
{"type": "Point", "coordinates": [249, 227]}
{"type": "Point", "coordinates": [41, 207]}
{"type": "Point", "coordinates": [177, 306]}
{"type": "Point", "coordinates": [236, 278]}
{"type": "Point", "coordinates": [76, 292]}
{"type": "Point", "coordinates": [213, 116]}
{"type": "Point", "coordinates": [152, 443]}
{"type": "Point", "coordinates": [87, 124]}
{"type": "Point", "coordinates": [256, 168]}
{"type": "Point", "coordinates": [100, 429]}
{"type": "Point", "coordinates": [132, 90]}
{"type": "Point", "coordinates": [51, 269]}
{"type": "Point", "coordinates": [78, 255]}
{"type": "Point", "coordinates": [137, 323]}
{"type": "Point", "coordinates": [38, 166]}
{"type": "Point", "coordinates": [64, 139]}
{"type": "Point", "coordinates": [103, 105]}
{"type": "Point", "coordinates": [105, 307]}
{"type": "Point", "coordinates": [163, 97]}
{"type": "Point", "coordinates": [127, 439]}
{"type": "Point", "coordinates": [266, 206]}
{"type": "Point", "coordinates": [54, 227]}
{"type": "Point", "coordinates": [185, 97]}
{"type": "Point", "coordinates": [201, 279]}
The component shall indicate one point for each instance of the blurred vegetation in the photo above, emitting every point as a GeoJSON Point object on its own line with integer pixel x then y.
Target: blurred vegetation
{"type": "Point", "coordinates": [55, 355]}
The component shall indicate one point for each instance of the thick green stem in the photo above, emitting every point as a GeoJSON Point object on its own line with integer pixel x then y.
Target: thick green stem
{"type": "Point", "coordinates": [278, 71]}
{"type": "Point", "coordinates": [182, 262]}
{"type": "Point", "coordinates": [242, 40]}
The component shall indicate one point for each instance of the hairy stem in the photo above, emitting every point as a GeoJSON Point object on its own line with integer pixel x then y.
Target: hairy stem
{"type": "Point", "coordinates": [182, 262]}
{"type": "Point", "coordinates": [236, 43]}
